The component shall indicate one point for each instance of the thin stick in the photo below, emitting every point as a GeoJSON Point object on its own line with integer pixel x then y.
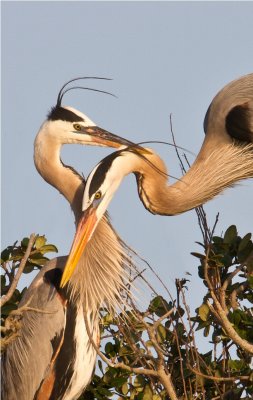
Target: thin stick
{"type": "Point", "coordinates": [21, 267]}
{"type": "Point", "coordinates": [219, 378]}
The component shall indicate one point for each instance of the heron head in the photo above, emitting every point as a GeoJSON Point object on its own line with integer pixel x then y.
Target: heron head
{"type": "Point", "coordinates": [100, 187]}
{"type": "Point", "coordinates": [68, 126]}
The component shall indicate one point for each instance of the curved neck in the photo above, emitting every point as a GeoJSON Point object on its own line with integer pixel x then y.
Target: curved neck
{"type": "Point", "coordinates": [215, 169]}
{"type": "Point", "coordinates": [50, 167]}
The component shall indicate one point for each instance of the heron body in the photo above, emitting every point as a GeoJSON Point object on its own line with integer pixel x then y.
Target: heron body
{"type": "Point", "coordinates": [52, 357]}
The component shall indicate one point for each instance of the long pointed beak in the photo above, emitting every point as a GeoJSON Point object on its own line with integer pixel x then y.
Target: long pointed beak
{"type": "Point", "coordinates": [83, 233]}
{"type": "Point", "coordinates": [106, 138]}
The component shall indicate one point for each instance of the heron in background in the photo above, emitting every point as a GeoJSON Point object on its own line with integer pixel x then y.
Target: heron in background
{"type": "Point", "coordinates": [225, 158]}
{"type": "Point", "coordinates": [52, 358]}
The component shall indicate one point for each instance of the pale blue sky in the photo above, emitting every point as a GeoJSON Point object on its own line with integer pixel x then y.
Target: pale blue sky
{"type": "Point", "coordinates": [164, 57]}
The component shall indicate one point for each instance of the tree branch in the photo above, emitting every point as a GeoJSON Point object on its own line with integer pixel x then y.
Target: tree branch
{"type": "Point", "coordinates": [165, 378]}
{"type": "Point", "coordinates": [218, 378]}
{"type": "Point", "coordinates": [221, 315]}
{"type": "Point", "coordinates": [166, 315]}
{"type": "Point", "coordinates": [233, 297]}
{"type": "Point", "coordinates": [21, 267]}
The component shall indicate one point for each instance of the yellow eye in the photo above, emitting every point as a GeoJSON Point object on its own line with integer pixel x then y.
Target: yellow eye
{"type": "Point", "coordinates": [98, 195]}
{"type": "Point", "coordinates": [77, 127]}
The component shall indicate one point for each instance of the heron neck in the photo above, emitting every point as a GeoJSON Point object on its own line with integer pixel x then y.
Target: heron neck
{"type": "Point", "coordinates": [49, 165]}
{"type": "Point", "coordinates": [216, 168]}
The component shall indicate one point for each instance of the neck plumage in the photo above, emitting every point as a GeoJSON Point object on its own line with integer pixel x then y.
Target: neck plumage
{"type": "Point", "coordinates": [215, 169]}
{"type": "Point", "coordinates": [99, 275]}
{"type": "Point", "coordinates": [65, 179]}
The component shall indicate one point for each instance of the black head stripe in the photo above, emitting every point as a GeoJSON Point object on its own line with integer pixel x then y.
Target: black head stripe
{"type": "Point", "coordinates": [61, 113]}
{"type": "Point", "coordinates": [101, 171]}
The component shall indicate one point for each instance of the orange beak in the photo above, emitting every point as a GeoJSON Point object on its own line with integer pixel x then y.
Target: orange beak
{"type": "Point", "coordinates": [83, 233]}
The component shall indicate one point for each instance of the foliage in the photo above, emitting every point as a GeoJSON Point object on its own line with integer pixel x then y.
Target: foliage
{"type": "Point", "coordinates": [12, 259]}
{"type": "Point", "coordinates": [165, 335]}
{"type": "Point", "coordinates": [153, 353]}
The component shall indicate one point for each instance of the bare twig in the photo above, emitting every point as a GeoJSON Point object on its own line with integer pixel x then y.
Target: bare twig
{"type": "Point", "coordinates": [233, 297]}
{"type": "Point", "coordinates": [21, 267]}
{"type": "Point", "coordinates": [219, 378]}
{"type": "Point", "coordinates": [231, 276]}
{"type": "Point", "coordinates": [175, 146]}
{"type": "Point", "coordinates": [166, 315]}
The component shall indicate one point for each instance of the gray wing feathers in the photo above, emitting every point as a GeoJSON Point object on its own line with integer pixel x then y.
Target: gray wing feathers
{"type": "Point", "coordinates": [26, 360]}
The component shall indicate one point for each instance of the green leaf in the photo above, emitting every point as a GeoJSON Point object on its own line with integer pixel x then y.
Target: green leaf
{"type": "Point", "coordinates": [40, 241]}
{"type": "Point", "coordinates": [235, 317]}
{"type": "Point", "coordinates": [109, 348]}
{"type": "Point", "coordinates": [245, 253]}
{"type": "Point", "coordinates": [161, 333]}
{"type": "Point", "coordinates": [28, 268]}
{"type": "Point", "coordinates": [139, 381]}
{"type": "Point", "coordinates": [119, 381]}
{"type": "Point", "coordinates": [198, 255]}
{"type": "Point", "coordinates": [201, 272]}
{"type": "Point", "coordinates": [206, 331]}
{"type": "Point", "coordinates": [250, 265]}
{"type": "Point", "coordinates": [148, 393]}
{"type": "Point", "coordinates": [107, 320]}
{"type": "Point", "coordinates": [203, 312]}
{"type": "Point", "coordinates": [236, 365]}
{"type": "Point", "coordinates": [104, 391]}
{"type": "Point", "coordinates": [217, 240]}
{"type": "Point", "coordinates": [208, 357]}
{"type": "Point", "coordinates": [107, 377]}
{"type": "Point", "coordinates": [17, 255]}
{"type": "Point", "coordinates": [250, 280]}
{"type": "Point", "coordinates": [244, 242]}
{"type": "Point", "coordinates": [48, 248]}
{"type": "Point", "coordinates": [100, 366]}
{"type": "Point", "coordinates": [230, 234]}
{"type": "Point", "coordinates": [202, 325]}
{"type": "Point", "coordinates": [3, 282]}
{"type": "Point", "coordinates": [5, 254]}
{"type": "Point", "coordinates": [24, 242]}
{"type": "Point", "coordinates": [125, 351]}
{"type": "Point", "coordinates": [7, 308]}
{"type": "Point", "coordinates": [124, 388]}
{"type": "Point", "coordinates": [160, 306]}
{"type": "Point", "coordinates": [38, 261]}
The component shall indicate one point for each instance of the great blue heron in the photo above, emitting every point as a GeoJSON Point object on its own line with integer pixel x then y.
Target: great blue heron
{"type": "Point", "coordinates": [226, 157]}
{"type": "Point", "coordinates": [52, 357]}
{"type": "Point", "coordinates": [66, 324]}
